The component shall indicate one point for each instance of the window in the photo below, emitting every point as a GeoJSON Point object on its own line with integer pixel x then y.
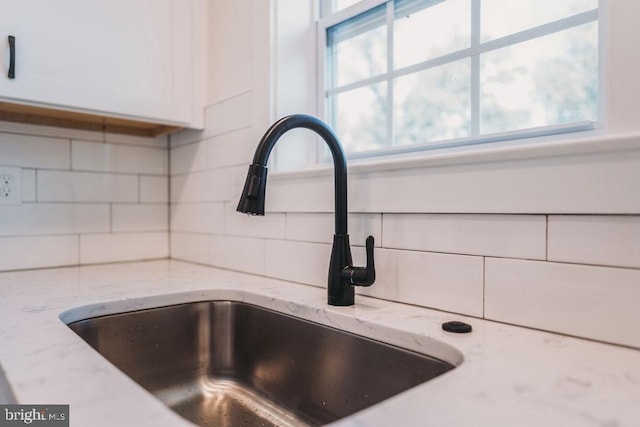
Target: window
{"type": "Point", "coordinates": [405, 75]}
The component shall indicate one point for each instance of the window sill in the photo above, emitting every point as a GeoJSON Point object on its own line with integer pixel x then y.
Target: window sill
{"type": "Point", "coordinates": [589, 142]}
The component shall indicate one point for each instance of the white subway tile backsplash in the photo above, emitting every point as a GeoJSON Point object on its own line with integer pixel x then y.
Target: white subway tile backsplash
{"type": "Point", "coordinates": [51, 218]}
{"type": "Point", "coordinates": [231, 149]}
{"type": "Point", "coordinates": [535, 185]}
{"type": "Point", "coordinates": [101, 248]}
{"type": "Point", "coordinates": [189, 158]}
{"type": "Point", "coordinates": [154, 189]}
{"type": "Point", "coordinates": [593, 302]}
{"type": "Point", "coordinates": [510, 236]}
{"type": "Point", "coordinates": [92, 156]}
{"type": "Point", "coordinates": [29, 185]}
{"type": "Point", "coordinates": [604, 240]}
{"type": "Point", "coordinates": [34, 151]}
{"type": "Point", "coordinates": [305, 194]}
{"type": "Point", "coordinates": [362, 226]}
{"type": "Point", "coordinates": [300, 262]}
{"type": "Point", "coordinates": [497, 187]}
{"type": "Point", "coordinates": [239, 224]}
{"type": "Point", "coordinates": [17, 253]}
{"type": "Point", "coordinates": [441, 281]}
{"type": "Point", "coordinates": [62, 208]}
{"type": "Point", "coordinates": [191, 247]}
{"type": "Point", "coordinates": [57, 186]}
{"type": "Point", "coordinates": [136, 217]}
{"type": "Point", "coordinates": [238, 253]}
{"type": "Point", "coordinates": [198, 218]}
{"type": "Point", "coordinates": [208, 186]}
{"type": "Point", "coordinates": [311, 227]}
{"type": "Point", "coordinates": [320, 227]}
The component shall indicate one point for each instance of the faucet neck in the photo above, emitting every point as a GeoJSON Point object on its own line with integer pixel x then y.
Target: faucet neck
{"type": "Point", "coordinates": [330, 138]}
{"type": "Point", "coordinates": [343, 276]}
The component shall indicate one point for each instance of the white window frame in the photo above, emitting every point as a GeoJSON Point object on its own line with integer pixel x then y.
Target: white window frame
{"type": "Point", "coordinates": [476, 48]}
{"type": "Point", "coordinates": [594, 172]}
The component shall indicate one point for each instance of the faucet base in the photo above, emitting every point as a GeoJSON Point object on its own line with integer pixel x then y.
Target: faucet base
{"type": "Point", "coordinates": [340, 291]}
{"type": "Point", "coordinates": [342, 302]}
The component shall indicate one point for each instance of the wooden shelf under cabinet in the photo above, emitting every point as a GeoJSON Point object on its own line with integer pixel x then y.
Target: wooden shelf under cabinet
{"type": "Point", "coordinates": [68, 119]}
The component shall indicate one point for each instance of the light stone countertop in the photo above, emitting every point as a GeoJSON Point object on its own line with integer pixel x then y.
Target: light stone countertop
{"type": "Point", "coordinates": [510, 376]}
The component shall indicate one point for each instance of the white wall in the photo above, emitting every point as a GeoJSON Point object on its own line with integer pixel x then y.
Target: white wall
{"type": "Point", "coordinates": [546, 237]}
{"type": "Point", "coordinates": [87, 197]}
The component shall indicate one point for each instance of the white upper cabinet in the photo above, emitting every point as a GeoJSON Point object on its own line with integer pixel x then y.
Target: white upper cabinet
{"type": "Point", "coordinates": [122, 58]}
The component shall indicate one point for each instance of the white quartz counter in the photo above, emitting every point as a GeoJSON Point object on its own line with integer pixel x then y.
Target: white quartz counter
{"type": "Point", "coordinates": [509, 376]}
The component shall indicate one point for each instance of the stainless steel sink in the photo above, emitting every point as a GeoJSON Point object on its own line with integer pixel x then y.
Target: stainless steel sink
{"type": "Point", "coordinates": [225, 363]}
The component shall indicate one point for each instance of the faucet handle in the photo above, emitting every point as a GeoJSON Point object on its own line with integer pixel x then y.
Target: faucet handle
{"type": "Point", "coordinates": [362, 276]}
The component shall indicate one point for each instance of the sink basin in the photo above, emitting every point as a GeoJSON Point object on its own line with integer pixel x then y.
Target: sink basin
{"type": "Point", "coordinates": [224, 363]}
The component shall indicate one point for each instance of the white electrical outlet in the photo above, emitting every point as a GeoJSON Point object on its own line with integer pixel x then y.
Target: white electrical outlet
{"type": "Point", "coordinates": [10, 185]}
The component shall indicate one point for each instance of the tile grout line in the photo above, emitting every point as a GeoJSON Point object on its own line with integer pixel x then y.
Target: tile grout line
{"type": "Point", "coordinates": [79, 249]}
{"type": "Point", "coordinates": [168, 189]}
{"type": "Point", "coordinates": [484, 286]}
{"type": "Point", "coordinates": [36, 189]}
{"type": "Point", "coordinates": [381, 228]}
{"type": "Point", "coordinates": [546, 239]}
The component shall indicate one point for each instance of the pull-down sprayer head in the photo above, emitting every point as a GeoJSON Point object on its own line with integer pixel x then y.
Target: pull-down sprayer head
{"type": "Point", "coordinates": [252, 199]}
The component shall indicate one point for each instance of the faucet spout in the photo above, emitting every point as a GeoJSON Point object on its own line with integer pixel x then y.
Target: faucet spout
{"type": "Point", "coordinates": [342, 275]}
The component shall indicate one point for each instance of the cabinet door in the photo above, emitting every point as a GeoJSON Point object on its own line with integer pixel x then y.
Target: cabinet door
{"type": "Point", "coordinates": [120, 57]}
